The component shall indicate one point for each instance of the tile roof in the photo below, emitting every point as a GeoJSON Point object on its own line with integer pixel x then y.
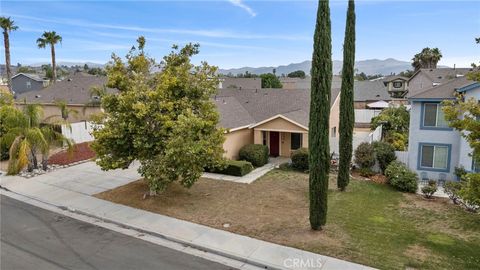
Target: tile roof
{"type": "Point", "coordinates": [74, 90]}
{"type": "Point", "coordinates": [445, 90]}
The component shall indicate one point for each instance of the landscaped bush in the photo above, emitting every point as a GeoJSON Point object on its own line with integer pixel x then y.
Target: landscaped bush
{"type": "Point", "coordinates": [364, 155]}
{"type": "Point", "coordinates": [460, 172]}
{"type": "Point", "coordinates": [429, 189]}
{"type": "Point", "coordinates": [235, 168]}
{"type": "Point", "coordinates": [452, 189]}
{"type": "Point", "coordinates": [257, 154]}
{"type": "Point", "coordinates": [366, 172]}
{"type": "Point", "coordinates": [470, 191]}
{"type": "Point", "coordinates": [401, 178]}
{"type": "Point", "coordinates": [384, 153]}
{"type": "Point", "coordinates": [300, 159]}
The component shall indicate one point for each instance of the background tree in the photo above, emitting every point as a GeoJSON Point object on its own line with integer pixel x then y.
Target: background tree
{"type": "Point", "coordinates": [25, 69]}
{"type": "Point", "coordinates": [165, 120]}
{"type": "Point", "coordinates": [347, 115]}
{"type": "Point", "coordinates": [407, 73]}
{"type": "Point", "coordinates": [51, 39]}
{"type": "Point", "coordinates": [296, 74]}
{"type": "Point", "coordinates": [395, 123]}
{"type": "Point", "coordinates": [475, 73]}
{"type": "Point", "coordinates": [319, 158]}
{"type": "Point", "coordinates": [269, 80]}
{"type": "Point", "coordinates": [7, 25]}
{"type": "Point", "coordinates": [427, 58]}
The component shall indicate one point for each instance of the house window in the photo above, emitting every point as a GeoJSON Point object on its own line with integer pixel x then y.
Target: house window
{"type": "Point", "coordinates": [296, 141]}
{"type": "Point", "coordinates": [29, 84]}
{"type": "Point", "coordinates": [264, 137]}
{"type": "Point", "coordinates": [334, 132]}
{"type": "Point", "coordinates": [475, 167]}
{"type": "Point", "coordinates": [397, 84]}
{"type": "Point", "coordinates": [433, 116]}
{"type": "Point", "coordinates": [434, 157]}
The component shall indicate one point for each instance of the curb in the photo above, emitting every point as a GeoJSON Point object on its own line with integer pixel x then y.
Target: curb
{"type": "Point", "coordinates": [155, 234]}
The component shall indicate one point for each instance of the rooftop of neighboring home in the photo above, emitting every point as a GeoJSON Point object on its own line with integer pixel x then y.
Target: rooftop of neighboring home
{"type": "Point", "coordinates": [34, 77]}
{"type": "Point", "coordinates": [305, 83]}
{"type": "Point", "coordinates": [392, 78]}
{"type": "Point", "coordinates": [444, 91]}
{"type": "Point", "coordinates": [370, 91]}
{"type": "Point", "coordinates": [241, 83]}
{"type": "Point", "coordinates": [441, 75]}
{"type": "Point", "coordinates": [75, 89]}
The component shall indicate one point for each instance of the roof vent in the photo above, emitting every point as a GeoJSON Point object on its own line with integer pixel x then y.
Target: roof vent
{"type": "Point", "coordinates": [38, 96]}
{"type": "Point", "coordinates": [95, 97]}
{"type": "Point", "coordinates": [377, 96]}
{"type": "Point", "coordinates": [246, 101]}
{"type": "Point", "coordinates": [224, 102]}
{"type": "Point", "coordinates": [69, 79]}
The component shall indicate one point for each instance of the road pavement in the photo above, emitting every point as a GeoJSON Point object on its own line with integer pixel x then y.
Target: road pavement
{"type": "Point", "coordinates": [34, 238]}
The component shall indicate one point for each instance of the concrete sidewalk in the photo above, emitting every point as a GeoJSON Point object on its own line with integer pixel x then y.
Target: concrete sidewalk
{"type": "Point", "coordinates": [68, 188]}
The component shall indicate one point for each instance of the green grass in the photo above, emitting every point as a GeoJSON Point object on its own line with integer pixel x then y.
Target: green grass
{"type": "Point", "coordinates": [389, 230]}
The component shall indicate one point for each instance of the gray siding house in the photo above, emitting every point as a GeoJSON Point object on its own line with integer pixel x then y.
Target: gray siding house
{"type": "Point", "coordinates": [434, 148]}
{"type": "Point", "coordinates": [23, 82]}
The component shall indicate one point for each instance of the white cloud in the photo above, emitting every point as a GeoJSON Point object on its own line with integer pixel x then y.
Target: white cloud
{"type": "Point", "coordinates": [194, 32]}
{"type": "Point", "coordinates": [242, 5]}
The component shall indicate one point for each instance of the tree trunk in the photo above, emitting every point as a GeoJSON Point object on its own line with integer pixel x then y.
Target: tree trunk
{"type": "Point", "coordinates": [34, 158]}
{"type": "Point", "coordinates": [6, 41]}
{"type": "Point", "coordinates": [347, 113]}
{"type": "Point", "coordinates": [319, 153]}
{"type": "Point", "coordinates": [44, 162]}
{"type": "Point", "coordinates": [54, 65]}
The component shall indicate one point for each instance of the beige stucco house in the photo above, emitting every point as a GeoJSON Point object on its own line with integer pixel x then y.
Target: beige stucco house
{"type": "Point", "coordinates": [277, 118]}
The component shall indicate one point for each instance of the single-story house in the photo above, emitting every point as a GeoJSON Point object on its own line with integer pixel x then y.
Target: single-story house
{"type": "Point", "coordinates": [25, 82]}
{"type": "Point", "coordinates": [434, 148]}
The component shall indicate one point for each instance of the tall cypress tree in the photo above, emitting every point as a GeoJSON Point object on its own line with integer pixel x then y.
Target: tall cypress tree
{"type": "Point", "coordinates": [347, 115]}
{"type": "Point", "coordinates": [319, 158]}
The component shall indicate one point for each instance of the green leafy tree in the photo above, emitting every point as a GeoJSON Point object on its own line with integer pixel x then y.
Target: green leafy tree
{"type": "Point", "coordinates": [319, 158]}
{"type": "Point", "coordinates": [7, 25]}
{"type": "Point", "coordinates": [25, 69]}
{"type": "Point", "coordinates": [165, 120]}
{"type": "Point", "coordinates": [347, 115]}
{"type": "Point", "coordinates": [50, 39]}
{"type": "Point", "coordinates": [407, 73]}
{"type": "Point", "coordinates": [475, 73]}
{"type": "Point", "coordinates": [297, 74]}
{"type": "Point", "coordinates": [427, 58]}
{"type": "Point", "coordinates": [463, 115]}
{"type": "Point", "coordinates": [395, 123]}
{"type": "Point", "coordinates": [269, 80]}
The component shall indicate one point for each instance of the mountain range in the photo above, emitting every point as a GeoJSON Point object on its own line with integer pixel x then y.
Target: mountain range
{"type": "Point", "coordinates": [369, 67]}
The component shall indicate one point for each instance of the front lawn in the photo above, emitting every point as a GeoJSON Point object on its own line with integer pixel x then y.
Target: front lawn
{"type": "Point", "coordinates": [370, 224]}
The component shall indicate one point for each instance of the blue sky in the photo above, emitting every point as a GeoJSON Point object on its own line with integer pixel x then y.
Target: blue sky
{"type": "Point", "coordinates": [242, 33]}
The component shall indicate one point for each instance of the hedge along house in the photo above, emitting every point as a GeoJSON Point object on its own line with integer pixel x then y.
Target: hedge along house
{"type": "Point", "coordinates": [435, 149]}
{"type": "Point", "coordinates": [277, 118]}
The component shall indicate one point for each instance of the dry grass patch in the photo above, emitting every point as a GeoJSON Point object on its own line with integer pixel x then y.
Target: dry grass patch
{"type": "Point", "coordinates": [370, 223]}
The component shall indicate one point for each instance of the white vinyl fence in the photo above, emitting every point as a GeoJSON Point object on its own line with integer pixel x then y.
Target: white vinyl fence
{"type": "Point", "coordinates": [402, 156]}
{"type": "Point", "coordinates": [78, 132]}
{"type": "Point", "coordinates": [365, 115]}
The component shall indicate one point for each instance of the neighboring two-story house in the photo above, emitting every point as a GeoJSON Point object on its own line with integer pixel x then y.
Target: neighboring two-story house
{"type": "Point", "coordinates": [425, 78]}
{"type": "Point", "coordinates": [435, 149]}
{"type": "Point", "coordinates": [24, 82]}
{"type": "Point", "coordinates": [397, 86]}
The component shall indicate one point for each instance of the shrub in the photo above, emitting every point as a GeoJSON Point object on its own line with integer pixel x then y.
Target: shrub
{"type": "Point", "coordinates": [429, 189]}
{"type": "Point", "coordinates": [460, 172]}
{"type": "Point", "coordinates": [364, 155]}
{"type": "Point", "coordinates": [257, 154]}
{"type": "Point", "coordinates": [401, 178]}
{"type": "Point", "coordinates": [452, 189]}
{"type": "Point", "coordinates": [366, 172]}
{"type": "Point", "coordinates": [300, 159]}
{"type": "Point", "coordinates": [235, 168]}
{"type": "Point", "coordinates": [470, 191]}
{"type": "Point", "coordinates": [384, 153]}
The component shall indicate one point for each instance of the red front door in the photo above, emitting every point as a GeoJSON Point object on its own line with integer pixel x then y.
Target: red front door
{"type": "Point", "coordinates": [274, 143]}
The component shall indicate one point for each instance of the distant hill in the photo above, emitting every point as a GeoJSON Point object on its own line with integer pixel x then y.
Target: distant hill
{"type": "Point", "coordinates": [70, 64]}
{"type": "Point", "coordinates": [369, 67]}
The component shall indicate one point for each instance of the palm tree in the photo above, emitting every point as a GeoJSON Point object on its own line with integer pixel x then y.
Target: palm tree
{"type": "Point", "coordinates": [27, 138]}
{"type": "Point", "coordinates": [50, 38]}
{"type": "Point", "coordinates": [7, 25]}
{"type": "Point", "coordinates": [427, 58]}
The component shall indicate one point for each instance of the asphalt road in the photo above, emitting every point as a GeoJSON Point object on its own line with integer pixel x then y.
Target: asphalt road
{"type": "Point", "coordinates": [34, 238]}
